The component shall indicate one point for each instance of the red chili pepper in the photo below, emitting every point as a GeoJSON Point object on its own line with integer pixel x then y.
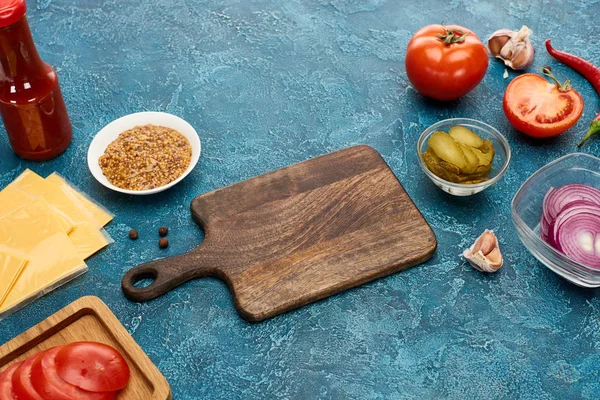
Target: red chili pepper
{"type": "Point", "coordinates": [589, 72]}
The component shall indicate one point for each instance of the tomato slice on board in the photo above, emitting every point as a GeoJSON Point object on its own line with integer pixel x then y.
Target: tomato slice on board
{"type": "Point", "coordinates": [92, 366]}
{"type": "Point", "coordinates": [46, 381]}
{"type": "Point", "coordinates": [21, 381]}
{"type": "Point", "coordinates": [6, 388]}
{"type": "Point", "coordinates": [538, 108]}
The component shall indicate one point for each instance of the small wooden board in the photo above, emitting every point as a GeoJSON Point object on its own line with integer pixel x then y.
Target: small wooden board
{"type": "Point", "coordinates": [89, 319]}
{"type": "Point", "coordinates": [298, 234]}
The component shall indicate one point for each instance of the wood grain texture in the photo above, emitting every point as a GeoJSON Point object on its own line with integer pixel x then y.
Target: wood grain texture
{"type": "Point", "coordinates": [89, 319]}
{"type": "Point", "coordinates": [298, 234]}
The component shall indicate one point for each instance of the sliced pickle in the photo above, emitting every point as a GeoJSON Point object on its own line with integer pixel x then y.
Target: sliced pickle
{"type": "Point", "coordinates": [448, 150]}
{"type": "Point", "coordinates": [465, 136]}
{"type": "Point", "coordinates": [488, 149]}
{"type": "Point", "coordinates": [453, 169]}
{"type": "Point", "coordinates": [484, 159]}
{"type": "Point", "coordinates": [482, 171]}
{"type": "Point", "coordinates": [438, 166]}
{"type": "Point", "coordinates": [472, 158]}
{"type": "Point", "coordinates": [473, 178]}
{"type": "Point", "coordinates": [460, 156]}
{"type": "Point", "coordinates": [430, 158]}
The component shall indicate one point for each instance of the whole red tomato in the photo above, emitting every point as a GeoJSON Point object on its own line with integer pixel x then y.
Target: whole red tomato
{"type": "Point", "coordinates": [445, 61]}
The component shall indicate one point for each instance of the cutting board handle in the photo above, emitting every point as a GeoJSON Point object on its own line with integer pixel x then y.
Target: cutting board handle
{"type": "Point", "coordinates": [166, 273]}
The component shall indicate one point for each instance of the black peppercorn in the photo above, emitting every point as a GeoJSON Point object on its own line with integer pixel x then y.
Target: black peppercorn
{"type": "Point", "coordinates": [163, 243]}
{"type": "Point", "coordinates": [133, 234]}
{"type": "Point", "coordinates": [163, 231]}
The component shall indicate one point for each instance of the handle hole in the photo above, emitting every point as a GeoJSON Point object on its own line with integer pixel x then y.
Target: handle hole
{"type": "Point", "coordinates": [143, 283]}
{"type": "Point", "coordinates": [143, 280]}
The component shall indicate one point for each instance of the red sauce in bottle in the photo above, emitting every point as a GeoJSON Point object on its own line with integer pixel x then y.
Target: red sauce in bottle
{"type": "Point", "coordinates": [31, 103]}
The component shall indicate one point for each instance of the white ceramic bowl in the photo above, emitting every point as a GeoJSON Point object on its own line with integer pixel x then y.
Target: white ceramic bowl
{"type": "Point", "coordinates": [111, 131]}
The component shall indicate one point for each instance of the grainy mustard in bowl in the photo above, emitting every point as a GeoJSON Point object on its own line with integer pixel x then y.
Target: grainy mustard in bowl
{"type": "Point", "coordinates": [144, 153]}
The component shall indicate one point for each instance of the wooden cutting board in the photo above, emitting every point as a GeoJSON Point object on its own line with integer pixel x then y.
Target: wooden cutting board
{"type": "Point", "coordinates": [89, 319]}
{"type": "Point", "coordinates": [298, 234]}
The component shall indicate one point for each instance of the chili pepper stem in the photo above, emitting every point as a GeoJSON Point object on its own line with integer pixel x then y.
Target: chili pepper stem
{"type": "Point", "coordinates": [594, 129]}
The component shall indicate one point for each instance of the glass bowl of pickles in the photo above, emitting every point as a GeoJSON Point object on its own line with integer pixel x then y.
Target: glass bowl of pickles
{"type": "Point", "coordinates": [463, 156]}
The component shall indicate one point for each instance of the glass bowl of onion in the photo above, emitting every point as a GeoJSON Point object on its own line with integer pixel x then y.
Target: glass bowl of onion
{"type": "Point", "coordinates": [557, 215]}
{"type": "Point", "coordinates": [463, 156]}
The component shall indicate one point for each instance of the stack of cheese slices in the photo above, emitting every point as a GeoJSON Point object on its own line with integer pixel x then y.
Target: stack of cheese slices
{"type": "Point", "coordinates": [47, 229]}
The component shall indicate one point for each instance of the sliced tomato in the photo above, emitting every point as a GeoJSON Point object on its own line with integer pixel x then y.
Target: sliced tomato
{"type": "Point", "coordinates": [46, 381]}
{"type": "Point", "coordinates": [538, 108]}
{"type": "Point", "coordinates": [21, 381]}
{"type": "Point", "coordinates": [6, 388]}
{"type": "Point", "coordinates": [92, 366]}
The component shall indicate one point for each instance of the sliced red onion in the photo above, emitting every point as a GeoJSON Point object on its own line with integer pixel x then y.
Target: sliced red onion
{"type": "Point", "coordinates": [544, 229]}
{"type": "Point", "coordinates": [572, 209]}
{"type": "Point", "coordinates": [557, 199]}
{"type": "Point", "coordinates": [570, 222]}
{"type": "Point", "coordinates": [544, 221]}
{"type": "Point", "coordinates": [578, 237]}
{"type": "Point", "coordinates": [545, 202]}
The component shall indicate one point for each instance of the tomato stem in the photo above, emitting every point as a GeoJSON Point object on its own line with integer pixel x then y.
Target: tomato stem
{"type": "Point", "coordinates": [452, 36]}
{"type": "Point", "coordinates": [562, 87]}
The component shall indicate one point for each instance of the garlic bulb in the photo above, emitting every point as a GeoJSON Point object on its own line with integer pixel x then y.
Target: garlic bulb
{"type": "Point", "coordinates": [514, 48]}
{"type": "Point", "coordinates": [485, 255]}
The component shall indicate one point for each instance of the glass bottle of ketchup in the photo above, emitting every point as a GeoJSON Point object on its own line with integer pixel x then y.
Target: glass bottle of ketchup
{"type": "Point", "coordinates": [31, 103]}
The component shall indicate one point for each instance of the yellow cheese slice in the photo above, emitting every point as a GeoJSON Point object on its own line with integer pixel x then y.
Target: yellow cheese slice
{"type": "Point", "coordinates": [11, 198]}
{"type": "Point", "coordinates": [102, 216]}
{"type": "Point", "coordinates": [86, 236]}
{"type": "Point", "coordinates": [51, 255]}
{"type": "Point", "coordinates": [88, 239]}
{"type": "Point", "coordinates": [11, 265]}
{"type": "Point", "coordinates": [82, 227]}
{"type": "Point", "coordinates": [55, 196]}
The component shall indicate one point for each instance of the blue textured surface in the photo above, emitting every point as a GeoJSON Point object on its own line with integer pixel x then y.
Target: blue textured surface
{"type": "Point", "coordinates": [267, 83]}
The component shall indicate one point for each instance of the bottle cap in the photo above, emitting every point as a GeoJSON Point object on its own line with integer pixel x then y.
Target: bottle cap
{"type": "Point", "coordinates": [11, 11]}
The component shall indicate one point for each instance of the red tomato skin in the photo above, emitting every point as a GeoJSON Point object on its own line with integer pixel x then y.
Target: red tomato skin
{"type": "Point", "coordinates": [6, 388]}
{"type": "Point", "coordinates": [445, 72]}
{"type": "Point", "coordinates": [21, 381]}
{"type": "Point", "coordinates": [92, 366]}
{"type": "Point", "coordinates": [538, 131]}
{"type": "Point", "coordinates": [46, 381]}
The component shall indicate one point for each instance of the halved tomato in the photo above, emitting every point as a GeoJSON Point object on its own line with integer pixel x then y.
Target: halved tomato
{"type": "Point", "coordinates": [46, 381]}
{"type": "Point", "coordinates": [92, 366]}
{"type": "Point", "coordinates": [6, 388]}
{"type": "Point", "coordinates": [539, 108]}
{"type": "Point", "coordinates": [21, 381]}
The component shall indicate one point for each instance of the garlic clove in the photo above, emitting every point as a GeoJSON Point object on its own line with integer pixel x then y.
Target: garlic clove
{"type": "Point", "coordinates": [498, 39]}
{"type": "Point", "coordinates": [523, 34]}
{"type": "Point", "coordinates": [507, 52]}
{"type": "Point", "coordinates": [514, 48]}
{"type": "Point", "coordinates": [485, 243]}
{"type": "Point", "coordinates": [521, 58]}
{"type": "Point", "coordinates": [495, 258]}
{"type": "Point", "coordinates": [484, 255]}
